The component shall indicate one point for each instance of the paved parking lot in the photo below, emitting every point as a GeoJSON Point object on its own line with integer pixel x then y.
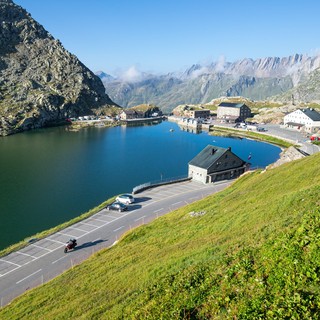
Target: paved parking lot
{"type": "Point", "coordinates": [149, 204]}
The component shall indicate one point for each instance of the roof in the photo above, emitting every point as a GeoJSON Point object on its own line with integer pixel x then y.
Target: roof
{"type": "Point", "coordinates": [129, 111]}
{"type": "Point", "coordinates": [295, 124]}
{"type": "Point", "coordinates": [208, 156]}
{"type": "Point", "coordinates": [312, 114]}
{"type": "Point", "coordinates": [231, 105]}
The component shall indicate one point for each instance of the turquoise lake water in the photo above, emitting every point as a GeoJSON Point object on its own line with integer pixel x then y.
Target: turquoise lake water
{"type": "Point", "coordinates": [52, 175]}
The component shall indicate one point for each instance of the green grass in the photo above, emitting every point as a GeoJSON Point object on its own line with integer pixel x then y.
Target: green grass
{"type": "Point", "coordinates": [254, 135]}
{"type": "Point", "coordinates": [253, 255]}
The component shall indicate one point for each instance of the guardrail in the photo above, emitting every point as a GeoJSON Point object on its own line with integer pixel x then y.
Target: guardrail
{"type": "Point", "coordinates": [156, 183]}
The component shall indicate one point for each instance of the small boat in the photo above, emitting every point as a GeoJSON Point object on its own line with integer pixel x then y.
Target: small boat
{"type": "Point", "coordinates": [171, 130]}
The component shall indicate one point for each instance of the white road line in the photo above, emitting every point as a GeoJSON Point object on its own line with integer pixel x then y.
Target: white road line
{"type": "Point", "coordinates": [118, 229]}
{"type": "Point", "coordinates": [98, 220]}
{"type": "Point", "coordinates": [40, 247]}
{"type": "Point", "coordinates": [140, 218]}
{"type": "Point", "coordinates": [1, 275]}
{"type": "Point", "coordinates": [96, 240]}
{"type": "Point", "coordinates": [25, 254]}
{"type": "Point", "coordinates": [54, 240]}
{"type": "Point", "coordinates": [88, 224]}
{"type": "Point", "coordinates": [112, 216]}
{"type": "Point", "coordinates": [30, 275]}
{"type": "Point", "coordinates": [157, 210]}
{"type": "Point", "coordinates": [71, 227]}
{"type": "Point", "coordinates": [66, 234]}
{"type": "Point", "coordinates": [53, 262]}
{"type": "Point", "coordinates": [18, 265]}
{"type": "Point", "coordinates": [176, 203]}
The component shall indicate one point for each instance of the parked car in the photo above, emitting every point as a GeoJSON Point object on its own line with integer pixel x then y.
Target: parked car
{"type": "Point", "coordinates": [125, 198]}
{"type": "Point", "coordinates": [117, 206]}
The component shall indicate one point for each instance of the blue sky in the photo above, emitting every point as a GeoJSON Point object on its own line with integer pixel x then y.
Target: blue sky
{"type": "Point", "coordinates": [170, 35]}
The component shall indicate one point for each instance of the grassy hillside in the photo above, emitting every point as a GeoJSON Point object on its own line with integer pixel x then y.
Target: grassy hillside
{"type": "Point", "coordinates": [252, 254]}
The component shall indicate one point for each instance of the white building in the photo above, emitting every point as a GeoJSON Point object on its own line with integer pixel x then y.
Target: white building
{"type": "Point", "coordinates": [303, 120]}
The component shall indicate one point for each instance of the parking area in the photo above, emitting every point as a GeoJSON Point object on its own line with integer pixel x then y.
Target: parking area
{"type": "Point", "coordinates": [103, 218]}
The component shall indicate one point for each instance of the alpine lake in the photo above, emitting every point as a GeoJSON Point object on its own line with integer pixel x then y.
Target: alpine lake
{"type": "Point", "coordinates": [52, 175]}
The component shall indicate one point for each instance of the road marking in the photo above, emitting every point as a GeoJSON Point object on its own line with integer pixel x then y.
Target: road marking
{"type": "Point", "coordinates": [109, 215]}
{"type": "Point", "coordinates": [174, 204]}
{"type": "Point", "coordinates": [89, 224]}
{"type": "Point", "coordinates": [57, 241]}
{"type": "Point", "coordinates": [140, 218]}
{"type": "Point", "coordinates": [71, 227]}
{"type": "Point", "coordinates": [118, 229]}
{"type": "Point", "coordinates": [30, 275]}
{"type": "Point", "coordinates": [157, 210]}
{"type": "Point", "coordinates": [53, 262]}
{"type": "Point", "coordinates": [66, 234]}
{"type": "Point", "coordinates": [96, 240]}
{"type": "Point", "coordinates": [25, 254]}
{"type": "Point", "coordinates": [18, 265]}
{"type": "Point", "coordinates": [154, 200]}
{"type": "Point", "coordinates": [98, 220]}
{"type": "Point", "coordinates": [41, 247]}
{"type": "Point", "coordinates": [1, 275]}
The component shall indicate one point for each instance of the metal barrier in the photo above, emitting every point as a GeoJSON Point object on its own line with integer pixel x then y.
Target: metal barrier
{"type": "Point", "coordinates": [157, 183]}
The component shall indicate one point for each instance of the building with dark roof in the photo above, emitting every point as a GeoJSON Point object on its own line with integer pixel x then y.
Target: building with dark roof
{"type": "Point", "coordinates": [307, 120]}
{"type": "Point", "coordinates": [214, 164]}
{"type": "Point", "coordinates": [233, 112]}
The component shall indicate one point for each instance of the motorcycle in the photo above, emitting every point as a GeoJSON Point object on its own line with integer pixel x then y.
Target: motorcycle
{"type": "Point", "coordinates": [71, 244]}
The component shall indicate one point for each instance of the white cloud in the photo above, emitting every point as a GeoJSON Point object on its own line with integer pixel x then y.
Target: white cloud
{"type": "Point", "coordinates": [220, 64]}
{"type": "Point", "coordinates": [132, 74]}
{"type": "Point", "coordinates": [199, 72]}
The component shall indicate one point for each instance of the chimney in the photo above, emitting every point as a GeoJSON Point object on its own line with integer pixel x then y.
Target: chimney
{"type": "Point", "coordinates": [213, 150]}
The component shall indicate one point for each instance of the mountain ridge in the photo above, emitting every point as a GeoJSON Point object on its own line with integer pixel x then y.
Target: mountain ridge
{"type": "Point", "coordinates": [257, 79]}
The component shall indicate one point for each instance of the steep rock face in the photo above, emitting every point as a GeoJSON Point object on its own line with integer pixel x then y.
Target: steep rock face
{"type": "Point", "coordinates": [41, 83]}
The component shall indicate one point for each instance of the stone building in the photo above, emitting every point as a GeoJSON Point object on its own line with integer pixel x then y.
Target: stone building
{"type": "Point", "coordinates": [214, 164]}
{"type": "Point", "coordinates": [233, 112]}
{"type": "Point", "coordinates": [191, 112]}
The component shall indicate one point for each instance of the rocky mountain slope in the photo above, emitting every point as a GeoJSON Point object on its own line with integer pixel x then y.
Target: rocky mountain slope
{"type": "Point", "coordinates": [41, 83]}
{"type": "Point", "coordinates": [255, 79]}
{"type": "Point", "coordinates": [307, 90]}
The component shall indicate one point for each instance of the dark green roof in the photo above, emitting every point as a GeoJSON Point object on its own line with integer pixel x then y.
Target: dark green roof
{"type": "Point", "coordinates": [207, 156]}
{"type": "Point", "coordinates": [231, 105]}
{"type": "Point", "coordinates": [312, 114]}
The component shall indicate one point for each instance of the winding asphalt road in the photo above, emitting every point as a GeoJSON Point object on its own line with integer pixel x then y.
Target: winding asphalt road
{"type": "Point", "coordinates": [43, 260]}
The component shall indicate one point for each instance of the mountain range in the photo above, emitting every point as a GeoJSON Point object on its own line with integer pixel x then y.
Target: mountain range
{"type": "Point", "coordinates": [41, 83]}
{"type": "Point", "coordinates": [294, 78]}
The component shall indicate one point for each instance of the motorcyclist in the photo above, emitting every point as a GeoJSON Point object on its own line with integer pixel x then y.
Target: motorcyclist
{"type": "Point", "coordinates": [72, 243]}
